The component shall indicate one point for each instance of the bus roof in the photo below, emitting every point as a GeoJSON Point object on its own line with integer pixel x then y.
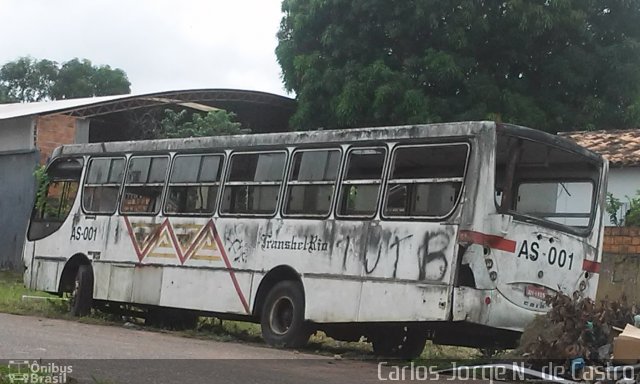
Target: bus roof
{"type": "Point", "coordinates": [280, 139]}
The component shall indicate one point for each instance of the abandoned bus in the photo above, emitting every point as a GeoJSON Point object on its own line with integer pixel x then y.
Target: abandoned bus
{"type": "Point", "coordinates": [454, 232]}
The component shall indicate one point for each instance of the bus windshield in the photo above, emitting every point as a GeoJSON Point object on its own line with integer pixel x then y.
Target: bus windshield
{"type": "Point", "coordinates": [56, 194]}
{"type": "Point", "coordinates": [541, 182]}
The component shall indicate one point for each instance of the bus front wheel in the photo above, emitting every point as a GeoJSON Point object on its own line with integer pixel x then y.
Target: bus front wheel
{"type": "Point", "coordinates": [282, 316]}
{"type": "Point", "coordinates": [82, 294]}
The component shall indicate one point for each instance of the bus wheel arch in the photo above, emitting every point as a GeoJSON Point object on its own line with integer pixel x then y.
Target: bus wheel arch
{"type": "Point", "coordinates": [67, 279]}
{"type": "Point", "coordinates": [280, 308]}
{"type": "Point", "coordinates": [77, 279]}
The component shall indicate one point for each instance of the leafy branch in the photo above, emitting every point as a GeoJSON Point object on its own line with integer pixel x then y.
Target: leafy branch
{"type": "Point", "coordinates": [631, 217]}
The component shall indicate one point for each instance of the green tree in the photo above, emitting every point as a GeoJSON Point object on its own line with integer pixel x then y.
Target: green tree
{"type": "Point", "coordinates": [27, 79]}
{"type": "Point", "coordinates": [556, 65]}
{"type": "Point", "coordinates": [186, 124]}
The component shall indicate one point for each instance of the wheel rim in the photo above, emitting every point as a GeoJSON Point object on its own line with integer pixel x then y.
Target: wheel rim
{"type": "Point", "coordinates": [281, 316]}
{"type": "Point", "coordinates": [73, 295]}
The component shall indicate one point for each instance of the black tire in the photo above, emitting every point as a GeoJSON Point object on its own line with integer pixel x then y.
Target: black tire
{"type": "Point", "coordinates": [399, 342]}
{"type": "Point", "coordinates": [82, 294]}
{"type": "Point", "coordinates": [282, 316]}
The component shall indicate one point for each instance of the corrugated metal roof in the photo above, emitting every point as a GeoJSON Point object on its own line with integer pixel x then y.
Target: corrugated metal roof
{"type": "Point", "coordinates": [194, 98]}
{"type": "Point", "coordinates": [9, 111]}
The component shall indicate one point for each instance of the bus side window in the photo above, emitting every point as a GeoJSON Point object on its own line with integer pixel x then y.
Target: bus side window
{"type": "Point", "coordinates": [425, 180]}
{"type": "Point", "coordinates": [144, 182]}
{"type": "Point", "coordinates": [361, 182]}
{"type": "Point", "coordinates": [253, 183]}
{"type": "Point", "coordinates": [312, 182]}
{"type": "Point", "coordinates": [102, 185]}
{"type": "Point", "coordinates": [193, 185]}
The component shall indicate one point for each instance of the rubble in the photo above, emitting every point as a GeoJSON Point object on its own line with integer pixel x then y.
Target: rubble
{"type": "Point", "coordinates": [575, 328]}
{"type": "Point", "coordinates": [589, 339]}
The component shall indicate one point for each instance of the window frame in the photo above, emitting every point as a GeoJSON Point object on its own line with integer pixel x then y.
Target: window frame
{"type": "Point", "coordinates": [53, 226]}
{"type": "Point", "coordinates": [343, 174]}
{"type": "Point", "coordinates": [125, 184]}
{"type": "Point", "coordinates": [120, 189]}
{"type": "Point", "coordinates": [432, 180]}
{"type": "Point", "coordinates": [169, 184]}
{"type": "Point", "coordinates": [226, 183]}
{"type": "Point", "coordinates": [513, 160]}
{"type": "Point", "coordinates": [289, 182]}
{"type": "Point", "coordinates": [577, 230]}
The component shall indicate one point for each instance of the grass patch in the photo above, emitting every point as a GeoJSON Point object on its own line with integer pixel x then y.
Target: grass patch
{"type": "Point", "coordinates": [12, 291]}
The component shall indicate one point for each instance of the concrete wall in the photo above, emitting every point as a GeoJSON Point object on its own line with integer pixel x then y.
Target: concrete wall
{"type": "Point", "coordinates": [623, 182]}
{"type": "Point", "coordinates": [17, 191]}
{"type": "Point", "coordinates": [16, 134]}
{"type": "Point", "coordinates": [620, 269]}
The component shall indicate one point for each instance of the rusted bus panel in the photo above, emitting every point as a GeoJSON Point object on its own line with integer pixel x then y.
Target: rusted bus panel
{"type": "Point", "coordinates": [207, 290]}
{"type": "Point", "coordinates": [47, 273]}
{"type": "Point", "coordinates": [147, 284]}
{"type": "Point", "coordinates": [401, 300]}
{"type": "Point", "coordinates": [329, 299]}
{"type": "Point", "coordinates": [516, 260]}
{"type": "Point", "coordinates": [121, 281]}
{"type": "Point", "coordinates": [101, 279]}
{"type": "Point", "coordinates": [471, 305]}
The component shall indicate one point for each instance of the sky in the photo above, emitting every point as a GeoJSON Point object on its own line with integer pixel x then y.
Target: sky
{"type": "Point", "coordinates": [161, 45]}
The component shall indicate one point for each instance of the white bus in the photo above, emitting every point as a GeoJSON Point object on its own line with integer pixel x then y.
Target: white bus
{"type": "Point", "coordinates": [454, 232]}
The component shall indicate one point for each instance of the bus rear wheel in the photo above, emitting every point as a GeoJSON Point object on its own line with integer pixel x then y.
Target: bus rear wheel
{"type": "Point", "coordinates": [282, 316]}
{"type": "Point", "coordinates": [400, 342]}
{"type": "Point", "coordinates": [82, 295]}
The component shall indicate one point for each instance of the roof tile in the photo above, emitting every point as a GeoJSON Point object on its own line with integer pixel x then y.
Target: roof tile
{"type": "Point", "coordinates": [620, 147]}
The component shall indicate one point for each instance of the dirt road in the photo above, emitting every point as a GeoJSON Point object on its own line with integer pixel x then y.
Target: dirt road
{"type": "Point", "coordinates": [112, 354]}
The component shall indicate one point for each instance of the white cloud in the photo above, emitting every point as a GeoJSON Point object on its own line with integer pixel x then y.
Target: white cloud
{"type": "Point", "coordinates": [162, 45]}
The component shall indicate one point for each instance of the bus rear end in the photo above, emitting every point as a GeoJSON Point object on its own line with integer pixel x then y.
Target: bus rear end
{"type": "Point", "coordinates": [536, 230]}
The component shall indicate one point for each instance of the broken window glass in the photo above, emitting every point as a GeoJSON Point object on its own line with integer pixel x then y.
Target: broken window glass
{"type": "Point", "coordinates": [194, 183]}
{"type": "Point", "coordinates": [312, 182]}
{"type": "Point", "coordinates": [361, 184]}
{"type": "Point", "coordinates": [52, 208]}
{"type": "Point", "coordinates": [426, 180]}
{"type": "Point", "coordinates": [145, 181]}
{"type": "Point", "coordinates": [104, 178]}
{"type": "Point", "coordinates": [545, 182]}
{"type": "Point", "coordinates": [253, 184]}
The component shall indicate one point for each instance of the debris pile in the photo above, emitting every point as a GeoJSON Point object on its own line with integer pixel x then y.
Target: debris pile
{"type": "Point", "coordinates": [576, 328]}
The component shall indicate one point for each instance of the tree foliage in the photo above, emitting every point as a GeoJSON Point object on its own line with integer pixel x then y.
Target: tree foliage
{"type": "Point", "coordinates": [631, 217]}
{"type": "Point", "coordinates": [27, 79]}
{"type": "Point", "coordinates": [185, 124]}
{"type": "Point", "coordinates": [556, 65]}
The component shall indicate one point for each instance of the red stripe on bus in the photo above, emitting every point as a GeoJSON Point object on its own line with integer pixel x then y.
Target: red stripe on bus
{"type": "Point", "coordinates": [153, 237]}
{"type": "Point", "coordinates": [491, 241]}
{"type": "Point", "coordinates": [230, 270]}
{"type": "Point", "coordinates": [591, 266]}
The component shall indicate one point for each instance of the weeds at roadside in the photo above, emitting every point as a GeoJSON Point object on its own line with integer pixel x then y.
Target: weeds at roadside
{"type": "Point", "coordinates": [208, 328]}
{"type": "Point", "coordinates": [11, 298]}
